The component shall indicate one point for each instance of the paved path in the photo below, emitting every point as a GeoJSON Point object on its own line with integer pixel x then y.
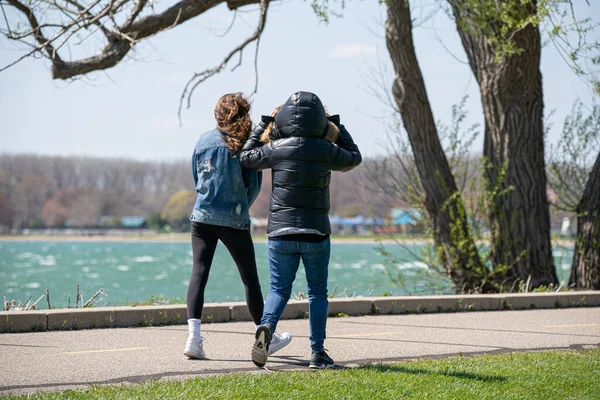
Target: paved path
{"type": "Point", "coordinates": [63, 360]}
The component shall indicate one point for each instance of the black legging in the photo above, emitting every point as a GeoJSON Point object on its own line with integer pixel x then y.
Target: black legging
{"type": "Point", "coordinates": [240, 246]}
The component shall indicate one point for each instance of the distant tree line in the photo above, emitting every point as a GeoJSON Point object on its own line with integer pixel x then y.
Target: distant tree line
{"type": "Point", "coordinates": [49, 191]}
{"type": "Point", "coordinates": [46, 191]}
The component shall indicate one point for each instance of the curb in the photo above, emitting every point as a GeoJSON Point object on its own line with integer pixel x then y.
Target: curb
{"type": "Point", "coordinates": [121, 317]}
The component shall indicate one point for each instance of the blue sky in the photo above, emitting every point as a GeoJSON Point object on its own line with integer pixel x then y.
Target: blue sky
{"type": "Point", "coordinates": [131, 110]}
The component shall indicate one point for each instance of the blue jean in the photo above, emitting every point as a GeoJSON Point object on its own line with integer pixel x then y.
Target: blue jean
{"type": "Point", "coordinates": [284, 260]}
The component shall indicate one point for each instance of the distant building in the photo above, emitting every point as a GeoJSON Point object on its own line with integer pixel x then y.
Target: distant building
{"type": "Point", "coordinates": [408, 220]}
{"type": "Point", "coordinates": [134, 222]}
{"type": "Point", "coordinates": [128, 222]}
{"type": "Point", "coordinates": [358, 225]}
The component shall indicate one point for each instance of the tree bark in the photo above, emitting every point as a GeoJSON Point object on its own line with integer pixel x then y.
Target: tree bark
{"type": "Point", "coordinates": [511, 95]}
{"type": "Point", "coordinates": [459, 255]}
{"type": "Point", "coordinates": [585, 271]}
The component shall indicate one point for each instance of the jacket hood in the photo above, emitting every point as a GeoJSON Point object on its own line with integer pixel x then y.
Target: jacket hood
{"type": "Point", "coordinates": [302, 115]}
{"type": "Point", "coordinates": [331, 135]}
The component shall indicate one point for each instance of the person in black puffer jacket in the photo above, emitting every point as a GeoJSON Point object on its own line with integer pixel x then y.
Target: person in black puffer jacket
{"type": "Point", "coordinates": [301, 144]}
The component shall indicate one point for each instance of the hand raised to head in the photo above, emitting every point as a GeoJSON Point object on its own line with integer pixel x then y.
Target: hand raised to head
{"type": "Point", "coordinates": [274, 113]}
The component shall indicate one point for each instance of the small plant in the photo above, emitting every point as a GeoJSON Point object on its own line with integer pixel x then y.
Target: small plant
{"type": "Point", "coordinates": [544, 289]}
{"type": "Point", "coordinates": [375, 310]}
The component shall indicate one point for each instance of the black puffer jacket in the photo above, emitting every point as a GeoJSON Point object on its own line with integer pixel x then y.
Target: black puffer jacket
{"type": "Point", "coordinates": [304, 146]}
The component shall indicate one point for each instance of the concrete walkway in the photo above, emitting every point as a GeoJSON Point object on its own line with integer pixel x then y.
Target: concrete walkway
{"type": "Point", "coordinates": [60, 360]}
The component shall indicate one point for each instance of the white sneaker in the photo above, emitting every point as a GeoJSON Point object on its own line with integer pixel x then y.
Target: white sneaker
{"type": "Point", "coordinates": [194, 349]}
{"type": "Point", "coordinates": [279, 341]}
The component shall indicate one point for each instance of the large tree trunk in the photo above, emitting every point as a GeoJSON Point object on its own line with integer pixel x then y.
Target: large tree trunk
{"type": "Point", "coordinates": [453, 237]}
{"type": "Point", "coordinates": [511, 95]}
{"type": "Point", "coordinates": [585, 271]}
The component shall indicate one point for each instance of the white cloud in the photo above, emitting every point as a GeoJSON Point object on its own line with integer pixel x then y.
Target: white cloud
{"type": "Point", "coordinates": [353, 50]}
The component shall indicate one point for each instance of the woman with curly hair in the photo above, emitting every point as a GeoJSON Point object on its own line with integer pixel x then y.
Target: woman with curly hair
{"type": "Point", "coordinates": [225, 192]}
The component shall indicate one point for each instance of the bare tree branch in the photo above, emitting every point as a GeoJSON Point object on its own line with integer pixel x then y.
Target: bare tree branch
{"type": "Point", "coordinates": [441, 41]}
{"type": "Point", "coordinates": [136, 11]}
{"type": "Point", "coordinates": [256, 60]}
{"type": "Point", "coordinates": [5, 19]}
{"type": "Point", "coordinates": [37, 32]}
{"type": "Point", "coordinates": [230, 25]}
{"type": "Point", "coordinates": [200, 77]}
{"type": "Point", "coordinates": [120, 39]}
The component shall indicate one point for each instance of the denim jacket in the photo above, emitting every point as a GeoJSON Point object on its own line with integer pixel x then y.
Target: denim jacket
{"type": "Point", "coordinates": [226, 190]}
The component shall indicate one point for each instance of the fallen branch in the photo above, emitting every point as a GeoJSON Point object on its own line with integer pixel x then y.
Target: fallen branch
{"type": "Point", "coordinates": [560, 286]}
{"type": "Point", "coordinates": [98, 293]}
{"type": "Point", "coordinates": [27, 304]}
{"type": "Point", "coordinates": [32, 306]}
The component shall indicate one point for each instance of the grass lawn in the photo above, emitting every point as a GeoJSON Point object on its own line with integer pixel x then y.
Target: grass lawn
{"type": "Point", "coordinates": [539, 375]}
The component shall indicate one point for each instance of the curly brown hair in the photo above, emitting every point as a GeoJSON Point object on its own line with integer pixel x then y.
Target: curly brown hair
{"type": "Point", "coordinates": [233, 119]}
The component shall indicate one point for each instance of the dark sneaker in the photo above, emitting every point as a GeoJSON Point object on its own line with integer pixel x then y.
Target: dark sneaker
{"type": "Point", "coordinates": [260, 350]}
{"type": "Point", "coordinates": [320, 360]}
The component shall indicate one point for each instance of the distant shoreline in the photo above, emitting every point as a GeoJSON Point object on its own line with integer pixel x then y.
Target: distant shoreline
{"type": "Point", "coordinates": [185, 238]}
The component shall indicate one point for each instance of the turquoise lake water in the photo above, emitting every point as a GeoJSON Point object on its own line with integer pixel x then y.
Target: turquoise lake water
{"type": "Point", "coordinates": [136, 271]}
